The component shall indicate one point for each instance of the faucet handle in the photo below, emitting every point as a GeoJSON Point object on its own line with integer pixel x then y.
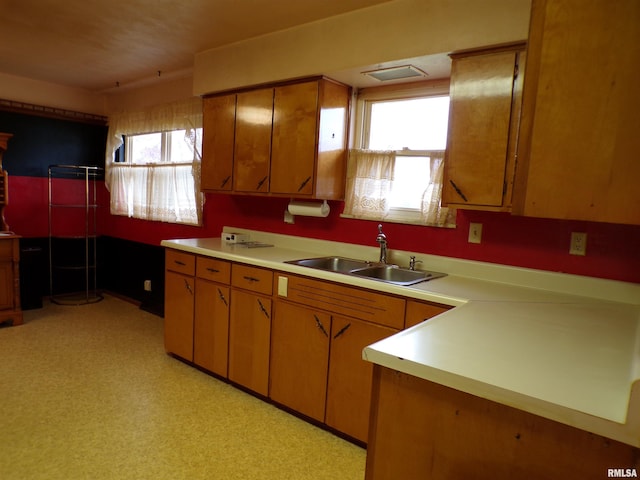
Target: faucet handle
{"type": "Point", "coordinates": [412, 262]}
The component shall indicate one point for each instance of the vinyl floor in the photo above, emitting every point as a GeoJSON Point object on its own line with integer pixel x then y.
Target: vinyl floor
{"type": "Point", "coordinates": [87, 392]}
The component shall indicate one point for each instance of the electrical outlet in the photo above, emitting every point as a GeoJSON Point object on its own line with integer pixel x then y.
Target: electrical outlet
{"type": "Point", "coordinates": [147, 285]}
{"type": "Point", "coordinates": [578, 243]}
{"type": "Point", "coordinates": [475, 232]}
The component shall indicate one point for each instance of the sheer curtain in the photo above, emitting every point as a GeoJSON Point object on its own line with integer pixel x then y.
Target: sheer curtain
{"type": "Point", "coordinates": [168, 191]}
{"type": "Point", "coordinates": [369, 181]}
{"type": "Point", "coordinates": [370, 177]}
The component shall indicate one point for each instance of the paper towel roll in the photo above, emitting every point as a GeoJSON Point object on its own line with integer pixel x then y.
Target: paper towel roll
{"type": "Point", "coordinates": [309, 209]}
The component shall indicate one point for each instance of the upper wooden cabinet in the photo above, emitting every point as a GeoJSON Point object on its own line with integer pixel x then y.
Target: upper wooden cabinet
{"type": "Point", "coordinates": [286, 140]}
{"type": "Point", "coordinates": [579, 138]}
{"type": "Point", "coordinates": [486, 93]}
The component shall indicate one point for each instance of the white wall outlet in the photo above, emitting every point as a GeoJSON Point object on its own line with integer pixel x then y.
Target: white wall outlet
{"type": "Point", "coordinates": [283, 286]}
{"type": "Point", "coordinates": [147, 285]}
{"type": "Point", "coordinates": [578, 243]}
{"type": "Point", "coordinates": [475, 232]}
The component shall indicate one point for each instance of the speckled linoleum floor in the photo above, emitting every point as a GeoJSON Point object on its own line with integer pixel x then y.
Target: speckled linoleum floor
{"type": "Point", "coordinates": [87, 392]}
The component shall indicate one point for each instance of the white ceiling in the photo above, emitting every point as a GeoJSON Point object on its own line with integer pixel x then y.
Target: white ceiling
{"type": "Point", "coordinates": [93, 44]}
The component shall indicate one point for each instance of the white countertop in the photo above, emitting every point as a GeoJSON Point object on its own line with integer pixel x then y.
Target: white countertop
{"type": "Point", "coordinates": [560, 346]}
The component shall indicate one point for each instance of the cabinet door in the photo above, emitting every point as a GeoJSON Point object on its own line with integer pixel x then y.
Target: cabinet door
{"type": "Point", "coordinates": [249, 340]}
{"type": "Point", "coordinates": [579, 138]}
{"type": "Point", "coordinates": [293, 149]}
{"type": "Point", "coordinates": [254, 116]}
{"type": "Point", "coordinates": [178, 314]}
{"type": "Point", "coordinates": [211, 326]}
{"type": "Point", "coordinates": [479, 127]}
{"type": "Point", "coordinates": [6, 285]}
{"type": "Point", "coordinates": [219, 115]}
{"type": "Point", "coordinates": [349, 388]}
{"type": "Point", "coordinates": [299, 359]}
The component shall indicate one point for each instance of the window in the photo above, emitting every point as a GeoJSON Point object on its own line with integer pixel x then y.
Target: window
{"type": "Point", "coordinates": [411, 126]}
{"type": "Point", "coordinates": [158, 178]}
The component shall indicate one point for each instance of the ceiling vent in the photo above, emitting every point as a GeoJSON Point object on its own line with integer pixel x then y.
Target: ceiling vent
{"type": "Point", "coordinates": [395, 73]}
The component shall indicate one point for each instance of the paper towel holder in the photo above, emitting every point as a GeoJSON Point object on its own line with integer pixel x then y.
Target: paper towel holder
{"type": "Point", "coordinates": [305, 208]}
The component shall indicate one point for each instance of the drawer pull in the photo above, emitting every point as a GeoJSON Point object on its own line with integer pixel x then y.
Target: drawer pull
{"type": "Point", "coordinates": [188, 287]}
{"type": "Point", "coordinates": [212, 270]}
{"type": "Point", "coordinates": [264, 310]}
{"type": "Point", "coordinates": [178, 262]}
{"type": "Point", "coordinates": [224, 300]}
{"type": "Point", "coordinates": [320, 326]}
{"type": "Point", "coordinates": [251, 279]}
{"type": "Point", "coordinates": [342, 330]}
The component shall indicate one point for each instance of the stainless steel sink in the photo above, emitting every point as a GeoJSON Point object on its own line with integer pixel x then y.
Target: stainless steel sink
{"type": "Point", "coordinates": [332, 264]}
{"type": "Point", "coordinates": [396, 275]}
{"type": "Point", "coordinates": [384, 273]}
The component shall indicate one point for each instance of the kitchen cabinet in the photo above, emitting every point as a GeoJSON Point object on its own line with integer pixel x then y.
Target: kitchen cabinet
{"type": "Point", "coordinates": [484, 117]}
{"type": "Point", "coordinates": [420, 429]}
{"type": "Point", "coordinates": [299, 358]}
{"type": "Point", "coordinates": [10, 307]}
{"type": "Point", "coordinates": [250, 327]}
{"type": "Point", "coordinates": [577, 150]}
{"type": "Point", "coordinates": [179, 285]}
{"type": "Point", "coordinates": [349, 381]}
{"type": "Point", "coordinates": [288, 139]}
{"type": "Point", "coordinates": [417, 312]}
{"type": "Point", "coordinates": [254, 117]}
{"type": "Point", "coordinates": [218, 137]}
{"type": "Point", "coordinates": [211, 315]}
{"type": "Point", "coordinates": [317, 367]}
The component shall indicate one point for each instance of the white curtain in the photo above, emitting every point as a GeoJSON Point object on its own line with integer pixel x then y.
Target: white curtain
{"type": "Point", "coordinates": [432, 212]}
{"type": "Point", "coordinates": [369, 181]}
{"type": "Point", "coordinates": [168, 192]}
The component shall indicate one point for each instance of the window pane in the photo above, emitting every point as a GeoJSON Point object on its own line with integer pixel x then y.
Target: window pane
{"type": "Point", "coordinates": [411, 178]}
{"type": "Point", "coordinates": [416, 124]}
{"type": "Point", "coordinates": [146, 148]}
{"type": "Point", "coordinates": [181, 150]}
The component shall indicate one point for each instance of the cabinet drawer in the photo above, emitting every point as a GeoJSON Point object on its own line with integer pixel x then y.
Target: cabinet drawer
{"type": "Point", "coordinates": [334, 297]}
{"type": "Point", "coordinates": [213, 269]}
{"type": "Point", "coordinates": [180, 262]}
{"type": "Point", "coordinates": [251, 278]}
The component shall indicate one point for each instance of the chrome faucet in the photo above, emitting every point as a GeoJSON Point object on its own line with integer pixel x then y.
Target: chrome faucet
{"type": "Point", "coordinates": [382, 240]}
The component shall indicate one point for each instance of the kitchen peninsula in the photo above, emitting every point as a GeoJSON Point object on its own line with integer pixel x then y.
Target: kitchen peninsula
{"type": "Point", "coordinates": [553, 348]}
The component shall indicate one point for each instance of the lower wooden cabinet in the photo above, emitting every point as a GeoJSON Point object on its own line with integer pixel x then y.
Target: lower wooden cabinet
{"type": "Point", "coordinates": [211, 326]}
{"type": "Point", "coordinates": [349, 382]}
{"type": "Point", "coordinates": [10, 307]}
{"type": "Point", "coordinates": [178, 314]}
{"type": "Point", "coordinates": [249, 340]}
{"type": "Point", "coordinates": [299, 358]}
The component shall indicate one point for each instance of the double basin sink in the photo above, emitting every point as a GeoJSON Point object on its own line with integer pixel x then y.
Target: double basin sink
{"type": "Point", "coordinates": [373, 271]}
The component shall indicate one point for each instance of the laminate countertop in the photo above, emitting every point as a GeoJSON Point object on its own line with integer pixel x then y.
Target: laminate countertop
{"type": "Point", "coordinates": [560, 346]}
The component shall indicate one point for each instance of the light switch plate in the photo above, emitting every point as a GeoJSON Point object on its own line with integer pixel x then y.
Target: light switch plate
{"type": "Point", "coordinates": [475, 232]}
{"type": "Point", "coordinates": [283, 286]}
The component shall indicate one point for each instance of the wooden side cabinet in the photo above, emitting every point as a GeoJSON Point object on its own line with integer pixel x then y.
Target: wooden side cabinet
{"type": "Point", "coordinates": [10, 309]}
{"type": "Point", "coordinates": [578, 145]}
{"type": "Point", "coordinates": [484, 117]}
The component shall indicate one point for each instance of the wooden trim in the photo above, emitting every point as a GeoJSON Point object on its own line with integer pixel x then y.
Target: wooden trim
{"type": "Point", "coordinates": [51, 112]}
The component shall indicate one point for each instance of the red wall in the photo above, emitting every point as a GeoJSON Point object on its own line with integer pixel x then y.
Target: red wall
{"type": "Point", "coordinates": [612, 250]}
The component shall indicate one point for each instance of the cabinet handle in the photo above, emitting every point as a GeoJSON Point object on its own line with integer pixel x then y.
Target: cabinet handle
{"type": "Point", "coordinates": [458, 191]}
{"type": "Point", "coordinates": [261, 182]}
{"type": "Point", "coordinates": [188, 287]}
{"type": "Point", "coordinates": [320, 326]}
{"type": "Point", "coordinates": [264, 310]}
{"type": "Point", "coordinates": [342, 330]}
{"type": "Point", "coordinates": [178, 262]}
{"type": "Point", "coordinates": [302, 185]}
{"type": "Point", "coordinates": [251, 279]}
{"type": "Point", "coordinates": [224, 182]}
{"type": "Point", "coordinates": [212, 270]}
{"type": "Point", "coordinates": [224, 300]}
